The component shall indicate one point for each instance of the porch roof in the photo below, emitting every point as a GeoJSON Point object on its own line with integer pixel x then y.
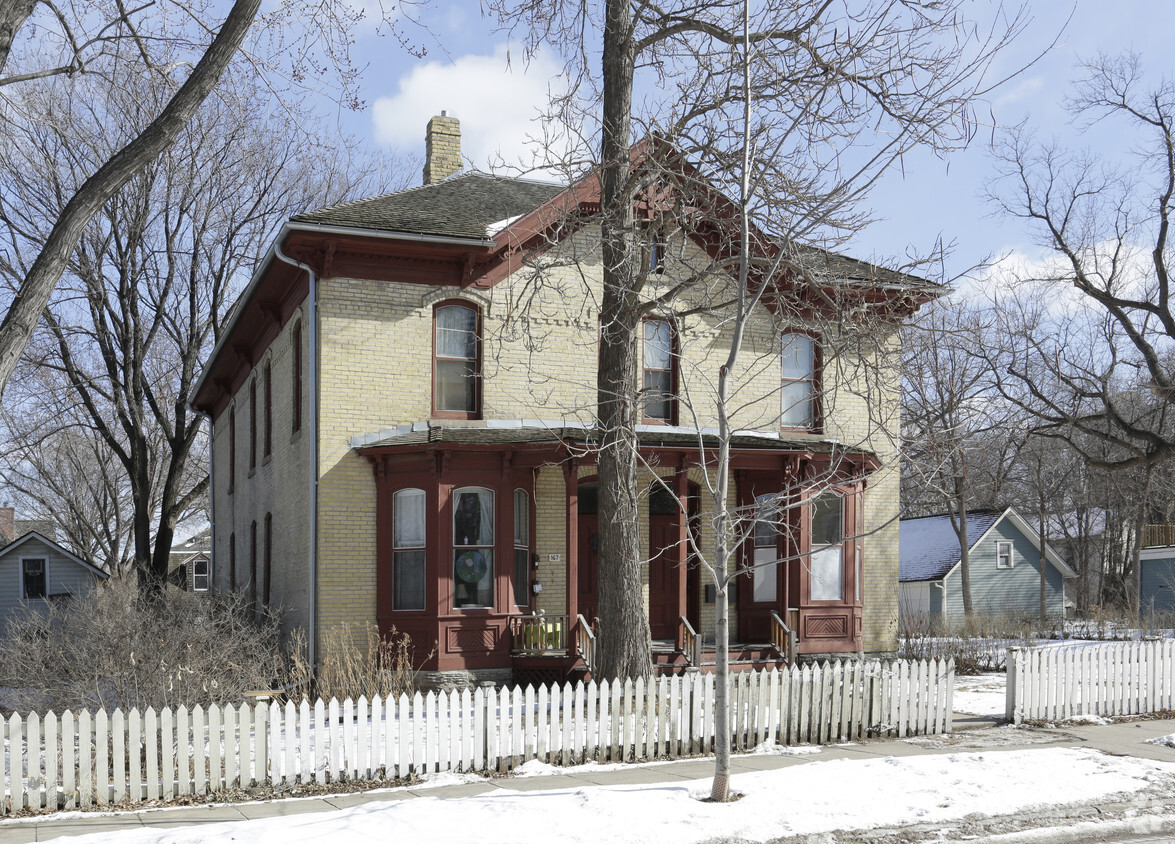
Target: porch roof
{"type": "Point", "coordinates": [649, 436]}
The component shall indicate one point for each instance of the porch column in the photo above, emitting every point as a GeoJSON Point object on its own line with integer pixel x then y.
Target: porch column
{"type": "Point", "coordinates": [571, 483]}
{"type": "Point", "coordinates": [681, 489]}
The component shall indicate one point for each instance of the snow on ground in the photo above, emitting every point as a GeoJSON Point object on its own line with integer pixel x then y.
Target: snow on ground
{"type": "Point", "coordinates": [885, 792]}
{"type": "Point", "coordinates": [981, 694]}
{"type": "Point", "coordinates": [1164, 741]}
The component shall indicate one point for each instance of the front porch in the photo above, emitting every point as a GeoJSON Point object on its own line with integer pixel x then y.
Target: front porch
{"type": "Point", "coordinates": [553, 649]}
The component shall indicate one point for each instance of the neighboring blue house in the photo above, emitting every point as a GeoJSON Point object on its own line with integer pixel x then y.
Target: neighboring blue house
{"type": "Point", "coordinates": [1005, 567]}
{"type": "Point", "coordinates": [1156, 579]}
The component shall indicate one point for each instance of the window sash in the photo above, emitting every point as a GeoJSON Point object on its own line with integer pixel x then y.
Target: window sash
{"type": "Point", "coordinates": [473, 548]}
{"type": "Point", "coordinates": [408, 579]}
{"type": "Point", "coordinates": [35, 579]}
{"type": "Point", "coordinates": [200, 576]}
{"type": "Point", "coordinates": [1003, 555]}
{"type": "Point", "coordinates": [797, 381]}
{"type": "Point", "coordinates": [409, 531]}
{"type": "Point", "coordinates": [828, 573]}
{"type": "Point", "coordinates": [765, 576]}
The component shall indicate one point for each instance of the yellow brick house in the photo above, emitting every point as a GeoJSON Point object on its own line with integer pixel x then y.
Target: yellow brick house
{"type": "Point", "coordinates": [402, 433]}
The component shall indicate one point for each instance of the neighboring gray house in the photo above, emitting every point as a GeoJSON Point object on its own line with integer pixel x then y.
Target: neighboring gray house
{"type": "Point", "coordinates": [35, 570]}
{"type": "Point", "coordinates": [190, 564]}
{"type": "Point", "coordinates": [1156, 579]}
{"type": "Point", "coordinates": [1005, 567]}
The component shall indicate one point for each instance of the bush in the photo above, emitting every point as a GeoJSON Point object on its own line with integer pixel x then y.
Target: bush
{"type": "Point", "coordinates": [354, 663]}
{"type": "Point", "coordinates": [113, 648]}
{"type": "Point", "coordinates": [976, 645]}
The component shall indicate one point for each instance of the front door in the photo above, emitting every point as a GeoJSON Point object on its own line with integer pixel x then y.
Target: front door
{"type": "Point", "coordinates": [664, 570]}
{"type": "Point", "coordinates": [589, 552]}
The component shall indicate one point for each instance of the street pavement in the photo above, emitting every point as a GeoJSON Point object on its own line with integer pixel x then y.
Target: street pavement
{"type": "Point", "coordinates": [971, 734]}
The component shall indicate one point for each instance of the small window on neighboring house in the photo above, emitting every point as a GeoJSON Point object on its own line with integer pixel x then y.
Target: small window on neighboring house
{"type": "Point", "coordinates": [266, 388]}
{"type": "Point", "coordinates": [253, 424]}
{"type": "Point", "coordinates": [408, 563]}
{"type": "Point", "coordinates": [473, 547]}
{"type": "Point", "coordinates": [660, 375]}
{"type": "Point", "coordinates": [1003, 555]}
{"type": "Point", "coordinates": [296, 399]}
{"type": "Point", "coordinates": [798, 382]}
{"type": "Point", "coordinates": [232, 448]}
{"type": "Point", "coordinates": [521, 548]}
{"type": "Point", "coordinates": [253, 564]}
{"type": "Point", "coordinates": [34, 578]}
{"type": "Point", "coordinates": [200, 576]}
{"type": "Point", "coordinates": [457, 365]}
{"type": "Point", "coordinates": [765, 575]}
{"type": "Point", "coordinates": [827, 564]}
{"type": "Point", "coordinates": [267, 562]}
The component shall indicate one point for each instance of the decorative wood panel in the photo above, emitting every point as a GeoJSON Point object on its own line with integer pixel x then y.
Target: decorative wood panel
{"type": "Point", "coordinates": [826, 626]}
{"type": "Point", "coordinates": [462, 639]}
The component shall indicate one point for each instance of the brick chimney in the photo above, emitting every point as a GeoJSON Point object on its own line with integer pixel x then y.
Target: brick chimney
{"type": "Point", "coordinates": [442, 148]}
{"type": "Point", "coordinates": [7, 525]}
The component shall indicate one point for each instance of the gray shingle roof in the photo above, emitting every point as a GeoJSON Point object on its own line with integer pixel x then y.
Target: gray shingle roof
{"type": "Point", "coordinates": [929, 547]}
{"type": "Point", "coordinates": [459, 206]}
{"type": "Point", "coordinates": [668, 438]}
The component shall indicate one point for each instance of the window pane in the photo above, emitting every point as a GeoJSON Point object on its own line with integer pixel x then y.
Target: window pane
{"type": "Point", "coordinates": [827, 574]}
{"type": "Point", "coordinates": [658, 344]}
{"type": "Point", "coordinates": [658, 393]}
{"type": "Point", "coordinates": [764, 575]}
{"type": "Point", "coordinates": [521, 577]}
{"type": "Point", "coordinates": [408, 512]}
{"type": "Point", "coordinates": [797, 356]}
{"type": "Point", "coordinates": [457, 332]}
{"type": "Point", "coordinates": [827, 512]}
{"type": "Point", "coordinates": [408, 580]}
{"type": "Point", "coordinates": [662, 502]}
{"type": "Point", "coordinates": [457, 385]}
{"type": "Point", "coordinates": [766, 518]}
{"type": "Point", "coordinates": [473, 517]}
{"type": "Point", "coordinates": [795, 404]}
{"type": "Point", "coordinates": [521, 518]}
{"type": "Point", "coordinates": [34, 579]}
{"type": "Point", "coordinates": [473, 578]}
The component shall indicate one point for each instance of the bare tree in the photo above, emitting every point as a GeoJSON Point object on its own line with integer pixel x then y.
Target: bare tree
{"type": "Point", "coordinates": [147, 291]}
{"type": "Point", "coordinates": [840, 93]}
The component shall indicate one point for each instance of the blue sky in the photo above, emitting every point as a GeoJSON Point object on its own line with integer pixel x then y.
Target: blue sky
{"type": "Point", "coordinates": [466, 72]}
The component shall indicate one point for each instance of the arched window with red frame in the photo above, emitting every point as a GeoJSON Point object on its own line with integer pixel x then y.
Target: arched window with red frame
{"type": "Point", "coordinates": [456, 361]}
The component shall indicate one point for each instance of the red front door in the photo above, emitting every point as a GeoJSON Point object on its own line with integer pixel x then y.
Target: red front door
{"type": "Point", "coordinates": [664, 570]}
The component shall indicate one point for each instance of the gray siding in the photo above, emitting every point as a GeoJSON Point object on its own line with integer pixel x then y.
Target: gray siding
{"type": "Point", "coordinates": [1157, 581]}
{"type": "Point", "coordinates": [64, 576]}
{"type": "Point", "coordinates": [1014, 591]}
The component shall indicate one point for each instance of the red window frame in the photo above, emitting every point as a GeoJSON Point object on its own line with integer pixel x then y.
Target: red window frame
{"type": "Point", "coordinates": [475, 412]}
{"type": "Point", "coordinates": [671, 399]}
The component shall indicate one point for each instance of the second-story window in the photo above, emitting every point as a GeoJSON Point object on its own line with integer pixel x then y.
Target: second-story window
{"type": "Point", "coordinates": [267, 389]}
{"type": "Point", "coordinates": [798, 382]}
{"type": "Point", "coordinates": [660, 376]}
{"type": "Point", "coordinates": [456, 370]}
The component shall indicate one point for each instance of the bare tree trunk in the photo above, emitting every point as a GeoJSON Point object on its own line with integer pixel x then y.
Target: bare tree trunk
{"type": "Point", "coordinates": [624, 648]}
{"type": "Point", "coordinates": [13, 14]}
{"type": "Point", "coordinates": [21, 320]}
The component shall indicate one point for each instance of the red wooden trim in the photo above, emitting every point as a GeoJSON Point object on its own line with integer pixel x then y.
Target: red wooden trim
{"type": "Point", "coordinates": [477, 398]}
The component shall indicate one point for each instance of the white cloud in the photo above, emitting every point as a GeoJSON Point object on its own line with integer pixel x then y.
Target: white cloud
{"type": "Point", "coordinates": [499, 106]}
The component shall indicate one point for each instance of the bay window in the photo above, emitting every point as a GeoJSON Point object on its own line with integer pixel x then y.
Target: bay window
{"type": "Point", "coordinates": [521, 548]}
{"type": "Point", "coordinates": [408, 554]}
{"type": "Point", "coordinates": [473, 548]}
{"type": "Point", "coordinates": [827, 562]}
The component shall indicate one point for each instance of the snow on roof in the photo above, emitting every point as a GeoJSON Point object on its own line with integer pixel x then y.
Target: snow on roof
{"type": "Point", "coordinates": [929, 547]}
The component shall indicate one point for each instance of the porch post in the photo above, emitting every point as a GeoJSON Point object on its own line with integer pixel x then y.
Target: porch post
{"type": "Point", "coordinates": [681, 488]}
{"type": "Point", "coordinates": [571, 483]}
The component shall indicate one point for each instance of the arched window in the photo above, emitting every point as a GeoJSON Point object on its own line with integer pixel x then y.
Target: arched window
{"type": "Point", "coordinates": [798, 385]}
{"type": "Point", "coordinates": [457, 362]}
{"type": "Point", "coordinates": [660, 372]}
{"type": "Point", "coordinates": [827, 564]}
{"type": "Point", "coordinates": [473, 547]}
{"type": "Point", "coordinates": [408, 555]}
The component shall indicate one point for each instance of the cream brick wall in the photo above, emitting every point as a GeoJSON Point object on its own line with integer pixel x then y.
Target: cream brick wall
{"type": "Point", "coordinates": [280, 484]}
{"type": "Point", "coordinates": [540, 348]}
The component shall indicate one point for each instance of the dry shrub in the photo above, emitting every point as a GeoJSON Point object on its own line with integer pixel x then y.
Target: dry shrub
{"type": "Point", "coordinates": [354, 662]}
{"type": "Point", "coordinates": [976, 644]}
{"type": "Point", "coordinates": [113, 648]}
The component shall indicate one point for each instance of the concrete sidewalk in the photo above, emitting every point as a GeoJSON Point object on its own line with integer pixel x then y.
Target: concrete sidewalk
{"type": "Point", "coordinates": [971, 734]}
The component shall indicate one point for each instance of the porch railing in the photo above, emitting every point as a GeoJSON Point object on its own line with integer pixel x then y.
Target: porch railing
{"type": "Point", "coordinates": [585, 641]}
{"type": "Point", "coordinates": [691, 642]}
{"type": "Point", "coordinates": [784, 638]}
{"type": "Point", "coordinates": [539, 633]}
{"type": "Point", "coordinates": [1156, 536]}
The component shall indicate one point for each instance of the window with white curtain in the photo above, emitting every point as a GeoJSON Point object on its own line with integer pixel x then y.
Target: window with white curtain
{"type": "Point", "coordinates": [408, 542]}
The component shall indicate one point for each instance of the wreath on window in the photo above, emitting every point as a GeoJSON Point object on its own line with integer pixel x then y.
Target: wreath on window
{"type": "Point", "coordinates": [472, 566]}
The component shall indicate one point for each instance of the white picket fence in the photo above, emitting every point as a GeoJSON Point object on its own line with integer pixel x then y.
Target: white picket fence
{"type": "Point", "coordinates": [82, 760]}
{"type": "Point", "coordinates": [1122, 678]}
